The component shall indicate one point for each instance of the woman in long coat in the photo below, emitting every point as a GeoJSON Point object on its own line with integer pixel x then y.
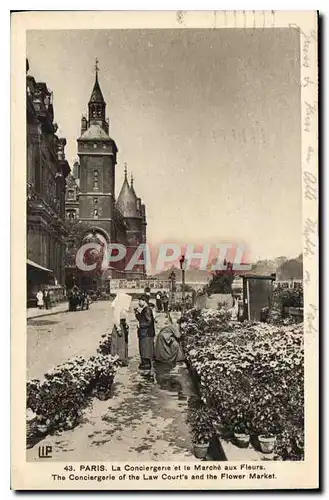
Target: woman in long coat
{"type": "Point", "coordinates": [146, 333]}
{"type": "Point", "coordinates": [168, 348]}
{"type": "Point", "coordinates": [40, 302]}
{"type": "Point", "coordinates": [120, 332]}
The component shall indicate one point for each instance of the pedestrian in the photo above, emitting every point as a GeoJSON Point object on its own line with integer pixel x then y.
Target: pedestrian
{"type": "Point", "coordinates": [165, 302]}
{"type": "Point", "coordinates": [234, 310]}
{"type": "Point", "coordinates": [168, 348]}
{"type": "Point", "coordinates": [74, 299]}
{"type": "Point", "coordinates": [146, 333]}
{"type": "Point", "coordinates": [158, 300]}
{"type": "Point", "coordinates": [46, 298]}
{"type": "Point", "coordinates": [87, 300]}
{"type": "Point", "coordinates": [51, 298]}
{"type": "Point", "coordinates": [120, 332]}
{"type": "Point", "coordinates": [82, 300]}
{"type": "Point", "coordinates": [40, 302]}
{"type": "Point", "coordinates": [168, 352]}
{"type": "Point", "coordinates": [70, 297]}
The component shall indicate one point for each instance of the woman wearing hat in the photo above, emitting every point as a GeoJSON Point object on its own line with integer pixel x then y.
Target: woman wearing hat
{"type": "Point", "coordinates": [146, 332]}
{"type": "Point", "coordinates": [119, 337]}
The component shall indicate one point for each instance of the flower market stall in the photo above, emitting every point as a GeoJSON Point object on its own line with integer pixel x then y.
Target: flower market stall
{"type": "Point", "coordinates": [250, 378]}
{"type": "Point", "coordinates": [67, 389]}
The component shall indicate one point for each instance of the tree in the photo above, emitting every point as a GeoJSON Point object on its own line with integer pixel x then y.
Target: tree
{"type": "Point", "coordinates": [291, 269]}
{"type": "Point", "coordinates": [222, 280]}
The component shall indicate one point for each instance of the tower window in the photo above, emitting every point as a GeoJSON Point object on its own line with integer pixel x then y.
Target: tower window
{"type": "Point", "coordinates": [95, 201]}
{"type": "Point", "coordinates": [95, 182]}
{"type": "Point", "coordinates": [95, 213]}
{"type": "Point", "coordinates": [70, 194]}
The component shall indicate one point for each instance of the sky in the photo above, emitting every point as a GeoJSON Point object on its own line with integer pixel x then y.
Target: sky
{"type": "Point", "coordinates": [208, 122]}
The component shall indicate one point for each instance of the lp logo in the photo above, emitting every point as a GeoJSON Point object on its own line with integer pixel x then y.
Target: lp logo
{"type": "Point", "coordinates": [45, 451]}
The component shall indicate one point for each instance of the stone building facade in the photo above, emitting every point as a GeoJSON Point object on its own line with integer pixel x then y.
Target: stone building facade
{"type": "Point", "coordinates": [72, 193]}
{"type": "Point", "coordinates": [109, 220]}
{"type": "Point", "coordinates": [47, 170]}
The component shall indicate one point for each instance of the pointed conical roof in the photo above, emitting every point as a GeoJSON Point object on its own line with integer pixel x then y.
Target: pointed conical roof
{"type": "Point", "coordinates": [96, 95]}
{"type": "Point", "coordinates": [127, 200]}
{"type": "Point", "coordinates": [132, 186]}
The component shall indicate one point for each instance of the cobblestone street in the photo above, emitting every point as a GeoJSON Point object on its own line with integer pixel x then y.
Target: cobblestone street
{"type": "Point", "coordinates": [146, 417]}
{"type": "Point", "coordinates": [54, 339]}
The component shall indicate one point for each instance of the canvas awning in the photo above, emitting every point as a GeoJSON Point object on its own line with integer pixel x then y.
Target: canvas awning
{"type": "Point", "coordinates": [37, 266]}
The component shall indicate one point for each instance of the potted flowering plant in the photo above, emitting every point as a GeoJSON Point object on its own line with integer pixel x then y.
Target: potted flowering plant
{"type": "Point", "coordinates": [105, 367]}
{"type": "Point", "coordinates": [105, 344]}
{"type": "Point", "coordinates": [267, 442]}
{"type": "Point", "coordinates": [269, 428]}
{"type": "Point", "coordinates": [242, 434]}
{"type": "Point", "coordinates": [202, 430]}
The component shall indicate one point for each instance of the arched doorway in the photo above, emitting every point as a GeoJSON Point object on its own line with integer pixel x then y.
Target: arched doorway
{"type": "Point", "coordinates": [97, 280]}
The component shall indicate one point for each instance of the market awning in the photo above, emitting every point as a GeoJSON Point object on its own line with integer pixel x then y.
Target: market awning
{"type": "Point", "coordinates": [37, 266]}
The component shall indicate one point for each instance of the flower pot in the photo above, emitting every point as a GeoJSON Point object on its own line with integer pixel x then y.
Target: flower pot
{"type": "Point", "coordinates": [266, 443]}
{"type": "Point", "coordinates": [242, 440]}
{"type": "Point", "coordinates": [103, 396]}
{"type": "Point", "coordinates": [200, 450]}
{"type": "Point", "coordinates": [42, 428]}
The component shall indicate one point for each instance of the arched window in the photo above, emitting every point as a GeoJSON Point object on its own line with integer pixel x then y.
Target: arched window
{"type": "Point", "coordinates": [71, 215]}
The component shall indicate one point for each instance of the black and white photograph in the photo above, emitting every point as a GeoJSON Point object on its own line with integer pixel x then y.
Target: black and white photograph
{"type": "Point", "coordinates": [168, 251]}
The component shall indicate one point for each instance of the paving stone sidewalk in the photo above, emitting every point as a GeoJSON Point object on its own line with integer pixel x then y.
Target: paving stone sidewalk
{"type": "Point", "coordinates": [145, 420]}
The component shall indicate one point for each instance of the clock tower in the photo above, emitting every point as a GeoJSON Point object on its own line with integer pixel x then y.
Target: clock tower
{"type": "Point", "coordinates": [98, 156]}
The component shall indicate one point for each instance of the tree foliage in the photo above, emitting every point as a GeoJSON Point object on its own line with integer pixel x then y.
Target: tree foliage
{"type": "Point", "coordinates": [222, 280]}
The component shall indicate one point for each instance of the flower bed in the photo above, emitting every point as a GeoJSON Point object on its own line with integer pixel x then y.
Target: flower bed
{"type": "Point", "coordinates": [251, 374]}
{"type": "Point", "coordinates": [67, 389]}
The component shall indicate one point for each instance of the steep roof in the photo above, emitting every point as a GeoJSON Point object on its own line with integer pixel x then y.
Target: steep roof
{"type": "Point", "coordinates": [132, 186]}
{"type": "Point", "coordinates": [95, 131]}
{"type": "Point", "coordinates": [133, 191]}
{"type": "Point", "coordinates": [96, 95]}
{"type": "Point", "coordinates": [127, 199]}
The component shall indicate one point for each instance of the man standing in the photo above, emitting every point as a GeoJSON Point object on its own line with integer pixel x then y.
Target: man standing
{"type": "Point", "coordinates": [158, 300]}
{"type": "Point", "coordinates": [146, 333]}
{"type": "Point", "coordinates": [46, 298]}
{"type": "Point", "coordinates": [165, 302]}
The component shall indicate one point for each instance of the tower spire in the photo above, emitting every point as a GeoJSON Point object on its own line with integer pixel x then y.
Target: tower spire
{"type": "Point", "coordinates": [97, 105]}
{"type": "Point", "coordinates": [131, 180]}
{"type": "Point", "coordinates": [96, 68]}
{"type": "Point", "coordinates": [126, 171]}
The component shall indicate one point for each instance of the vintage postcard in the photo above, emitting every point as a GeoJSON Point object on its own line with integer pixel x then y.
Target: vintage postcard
{"type": "Point", "coordinates": [165, 221]}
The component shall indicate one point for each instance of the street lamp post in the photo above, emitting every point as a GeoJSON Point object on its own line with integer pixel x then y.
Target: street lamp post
{"type": "Point", "coordinates": [183, 266]}
{"type": "Point", "coordinates": [172, 278]}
